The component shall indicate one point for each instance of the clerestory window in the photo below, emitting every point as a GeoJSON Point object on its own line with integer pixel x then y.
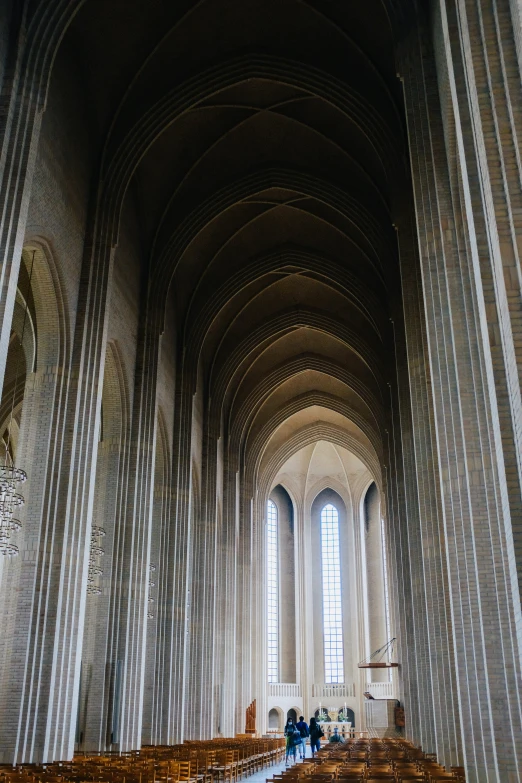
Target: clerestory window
{"type": "Point", "coordinates": [332, 610]}
{"type": "Point", "coordinates": [272, 593]}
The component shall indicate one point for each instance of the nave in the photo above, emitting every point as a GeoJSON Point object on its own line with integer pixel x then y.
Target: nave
{"type": "Point", "coordinates": [261, 363]}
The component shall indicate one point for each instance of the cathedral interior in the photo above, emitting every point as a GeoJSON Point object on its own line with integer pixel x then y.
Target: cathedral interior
{"type": "Point", "coordinates": [260, 360]}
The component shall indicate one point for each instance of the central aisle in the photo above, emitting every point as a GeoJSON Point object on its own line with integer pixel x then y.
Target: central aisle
{"type": "Point", "coordinates": [268, 772]}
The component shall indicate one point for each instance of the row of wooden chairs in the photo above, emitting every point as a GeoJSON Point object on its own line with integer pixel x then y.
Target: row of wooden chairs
{"type": "Point", "coordinates": [371, 760]}
{"type": "Point", "coordinates": [215, 761]}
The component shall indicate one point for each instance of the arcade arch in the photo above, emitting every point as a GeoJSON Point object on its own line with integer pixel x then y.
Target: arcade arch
{"type": "Point", "coordinates": [325, 475]}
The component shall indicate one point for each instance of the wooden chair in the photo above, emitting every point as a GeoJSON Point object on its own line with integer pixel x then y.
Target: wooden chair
{"type": "Point", "coordinates": [225, 767]}
{"type": "Point", "coordinates": [459, 773]}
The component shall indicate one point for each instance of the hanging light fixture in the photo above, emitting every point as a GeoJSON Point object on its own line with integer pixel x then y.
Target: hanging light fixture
{"type": "Point", "coordinates": [10, 475]}
{"type": "Point", "coordinates": [96, 551]}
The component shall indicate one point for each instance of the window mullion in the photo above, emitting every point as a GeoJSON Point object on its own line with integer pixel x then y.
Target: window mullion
{"type": "Point", "coordinates": [272, 592]}
{"type": "Point", "coordinates": [332, 610]}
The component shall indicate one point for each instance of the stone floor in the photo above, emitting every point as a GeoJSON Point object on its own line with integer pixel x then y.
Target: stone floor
{"type": "Point", "coordinates": [268, 772]}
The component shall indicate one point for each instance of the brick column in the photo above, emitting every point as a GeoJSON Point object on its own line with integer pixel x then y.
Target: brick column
{"type": "Point", "coordinates": [204, 593]}
{"type": "Point", "coordinates": [35, 32]}
{"type": "Point", "coordinates": [155, 705]}
{"type": "Point", "coordinates": [132, 572]}
{"type": "Point", "coordinates": [469, 357]}
{"type": "Point", "coordinates": [442, 706]}
{"type": "Point", "coordinates": [98, 681]}
{"type": "Point", "coordinates": [231, 528]}
{"type": "Point", "coordinates": [403, 529]}
{"type": "Point", "coordinates": [178, 609]}
{"type": "Point", "coordinates": [41, 689]}
{"type": "Point", "coordinates": [375, 578]}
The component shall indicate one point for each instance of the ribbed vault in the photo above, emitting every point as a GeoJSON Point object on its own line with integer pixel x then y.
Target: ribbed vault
{"type": "Point", "coordinates": [263, 146]}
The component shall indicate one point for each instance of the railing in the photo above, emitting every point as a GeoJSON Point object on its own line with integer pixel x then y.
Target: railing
{"type": "Point", "coordinates": [381, 690]}
{"type": "Point", "coordinates": [284, 689]}
{"type": "Point", "coordinates": [346, 689]}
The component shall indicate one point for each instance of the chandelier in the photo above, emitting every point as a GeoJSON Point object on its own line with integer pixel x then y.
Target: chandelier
{"type": "Point", "coordinates": [11, 476]}
{"type": "Point", "coordinates": [10, 501]}
{"type": "Point", "coordinates": [95, 552]}
{"type": "Point", "coordinates": [150, 614]}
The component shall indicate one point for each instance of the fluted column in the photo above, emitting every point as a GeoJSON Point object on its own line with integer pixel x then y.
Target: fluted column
{"type": "Point", "coordinates": [244, 589]}
{"type": "Point", "coordinates": [100, 681]}
{"type": "Point", "coordinates": [467, 325]}
{"type": "Point", "coordinates": [42, 689]}
{"type": "Point", "coordinates": [155, 705]}
{"type": "Point", "coordinates": [404, 533]}
{"type": "Point", "coordinates": [443, 707]}
{"type": "Point", "coordinates": [206, 596]}
{"type": "Point", "coordinates": [258, 605]}
{"type": "Point", "coordinates": [35, 32]}
{"type": "Point", "coordinates": [177, 622]}
{"type": "Point", "coordinates": [231, 517]}
{"type": "Point", "coordinates": [133, 573]}
{"type": "Point", "coordinates": [480, 61]}
{"type": "Point", "coordinates": [375, 578]}
{"type": "Point", "coordinates": [23, 623]}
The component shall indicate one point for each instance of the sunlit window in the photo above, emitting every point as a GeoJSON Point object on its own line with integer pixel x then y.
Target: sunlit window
{"type": "Point", "coordinates": [386, 595]}
{"type": "Point", "coordinates": [273, 593]}
{"type": "Point", "coordinates": [332, 611]}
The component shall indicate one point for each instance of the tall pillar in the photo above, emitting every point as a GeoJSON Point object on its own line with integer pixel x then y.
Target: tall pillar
{"type": "Point", "coordinates": [375, 577]}
{"type": "Point", "coordinates": [155, 703]}
{"type": "Point", "coordinates": [133, 574]}
{"type": "Point", "coordinates": [442, 708]}
{"type": "Point", "coordinates": [100, 673]}
{"type": "Point", "coordinates": [258, 604]}
{"type": "Point", "coordinates": [471, 362]}
{"type": "Point", "coordinates": [231, 527]}
{"type": "Point", "coordinates": [203, 588]}
{"type": "Point", "coordinates": [41, 686]}
{"type": "Point", "coordinates": [35, 32]}
{"type": "Point", "coordinates": [177, 621]}
{"type": "Point", "coordinates": [244, 588]}
{"type": "Point", "coordinates": [403, 529]}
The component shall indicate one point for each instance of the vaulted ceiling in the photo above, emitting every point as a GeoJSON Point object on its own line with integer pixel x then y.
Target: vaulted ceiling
{"type": "Point", "coordinates": [263, 142]}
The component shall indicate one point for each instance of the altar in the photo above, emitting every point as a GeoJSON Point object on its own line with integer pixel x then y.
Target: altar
{"type": "Point", "coordinates": [344, 728]}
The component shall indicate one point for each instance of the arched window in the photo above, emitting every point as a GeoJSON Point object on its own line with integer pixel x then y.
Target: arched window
{"type": "Point", "coordinates": [272, 593]}
{"type": "Point", "coordinates": [332, 611]}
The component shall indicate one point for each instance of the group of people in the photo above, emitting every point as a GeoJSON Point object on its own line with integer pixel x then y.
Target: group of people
{"type": "Point", "coordinates": [297, 733]}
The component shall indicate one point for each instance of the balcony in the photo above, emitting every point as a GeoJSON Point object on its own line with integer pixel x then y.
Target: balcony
{"type": "Point", "coordinates": [382, 690]}
{"type": "Point", "coordinates": [284, 689]}
{"type": "Point", "coordinates": [335, 690]}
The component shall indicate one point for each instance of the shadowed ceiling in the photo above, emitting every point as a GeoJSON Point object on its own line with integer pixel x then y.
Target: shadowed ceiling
{"type": "Point", "coordinates": [263, 142]}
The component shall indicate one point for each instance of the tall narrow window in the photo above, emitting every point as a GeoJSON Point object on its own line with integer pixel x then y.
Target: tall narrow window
{"type": "Point", "coordinates": [332, 612]}
{"type": "Point", "coordinates": [386, 595]}
{"type": "Point", "coordinates": [273, 593]}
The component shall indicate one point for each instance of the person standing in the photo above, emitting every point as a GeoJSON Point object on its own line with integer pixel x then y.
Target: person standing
{"type": "Point", "coordinates": [291, 746]}
{"type": "Point", "coordinates": [316, 733]}
{"type": "Point", "coordinates": [304, 733]}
